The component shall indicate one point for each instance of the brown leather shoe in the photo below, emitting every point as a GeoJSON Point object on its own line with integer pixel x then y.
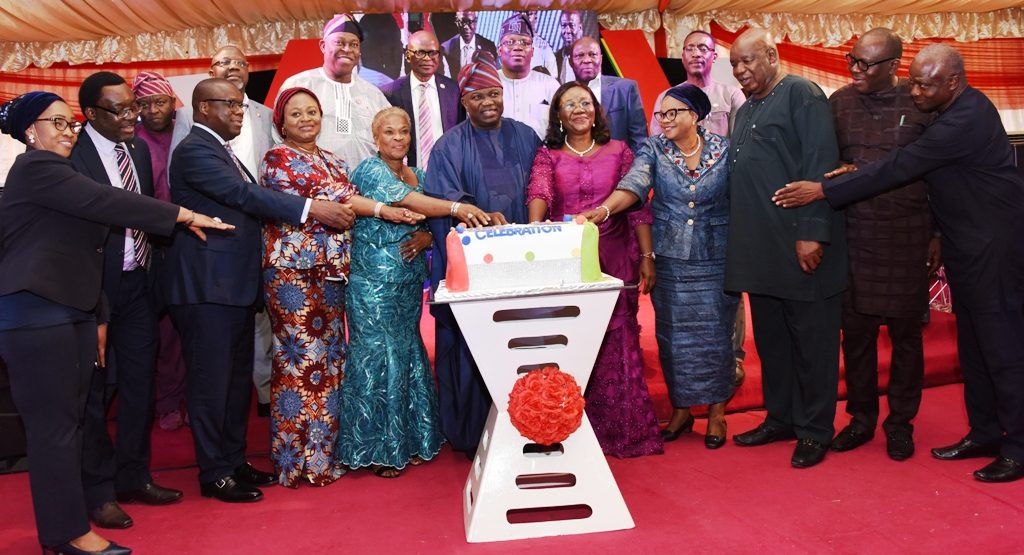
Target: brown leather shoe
{"type": "Point", "coordinates": [741, 374]}
{"type": "Point", "coordinates": [110, 515]}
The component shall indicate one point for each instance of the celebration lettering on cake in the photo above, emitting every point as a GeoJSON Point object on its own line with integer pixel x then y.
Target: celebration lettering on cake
{"type": "Point", "coordinates": [517, 230]}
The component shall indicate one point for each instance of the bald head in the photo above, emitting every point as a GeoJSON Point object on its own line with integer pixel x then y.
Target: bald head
{"type": "Point", "coordinates": [423, 54]}
{"type": "Point", "coordinates": [937, 78]}
{"type": "Point", "coordinates": [755, 62]}
{"type": "Point", "coordinates": [230, 63]}
{"type": "Point", "coordinates": [217, 104]}
{"type": "Point", "coordinates": [891, 44]}
{"type": "Point", "coordinates": [874, 60]}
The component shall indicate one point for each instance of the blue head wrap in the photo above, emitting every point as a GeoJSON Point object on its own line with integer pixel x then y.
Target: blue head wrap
{"type": "Point", "coordinates": [18, 114]}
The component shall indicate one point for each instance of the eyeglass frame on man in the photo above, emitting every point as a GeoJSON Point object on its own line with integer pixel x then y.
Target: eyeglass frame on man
{"type": "Point", "coordinates": [229, 62]}
{"type": "Point", "coordinates": [701, 48]}
{"type": "Point", "coordinates": [129, 112]}
{"type": "Point", "coordinates": [76, 126]}
{"type": "Point", "coordinates": [424, 54]}
{"type": "Point", "coordinates": [464, 21]}
{"type": "Point", "coordinates": [664, 116]}
{"type": "Point", "coordinates": [161, 102]}
{"type": "Point", "coordinates": [864, 65]}
{"type": "Point", "coordinates": [232, 104]}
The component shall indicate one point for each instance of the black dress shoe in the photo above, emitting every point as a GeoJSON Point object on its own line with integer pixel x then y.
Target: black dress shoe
{"type": "Point", "coordinates": [808, 453]}
{"type": "Point", "coordinates": [762, 435]}
{"type": "Point", "coordinates": [110, 515]}
{"type": "Point", "coordinates": [229, 491]}
{"type": "Point", "coordinates": [851, 438]}
{"type": "Point", "coordinates": [685, 427]}
{"type": "Point", "coordinates": [249, 476]}
{"type": "Point", "coordinates": [68, 549]}
{"type": "Point", "coordinates": [150, 494]}
{"type": "Point", "coordinates": [965, 449]}
{"type": "Point", "coordinates": [899, 445]}
{"type": "Point", "coordinates": [1003, 469]}
{"type": "Point", "coordinates": [714, 442]}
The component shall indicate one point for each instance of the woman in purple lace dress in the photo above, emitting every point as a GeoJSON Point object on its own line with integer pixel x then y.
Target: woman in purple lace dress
{"type": "Point", "coordinates": [577, 167]}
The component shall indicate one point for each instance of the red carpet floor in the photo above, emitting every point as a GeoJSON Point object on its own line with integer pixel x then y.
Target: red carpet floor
{"type": "Point", "coordinates": [734, 500]}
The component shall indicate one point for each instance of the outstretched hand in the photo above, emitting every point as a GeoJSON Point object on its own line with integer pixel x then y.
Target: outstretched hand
{"type": "Point", "coordinates": [332, 214]}
{"type": "Point", "coordinates": [798, 193]}
{"type": "Point", "coordinates": [397, 215]}
{"type": "Point", "coordinates": [201, 221]}
{"type": "Point", "coordinates": [472, 216]}
{"type": "Point", "coordinates": [845, 168]}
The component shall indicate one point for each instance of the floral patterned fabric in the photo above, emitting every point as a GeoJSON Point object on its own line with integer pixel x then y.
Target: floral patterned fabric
{"type": "Point", "coordinates": [304, 266]}
{"type": "Point", "coordinates": [389, 410]}
{"type": "Point", "coordinates": [618, 403]}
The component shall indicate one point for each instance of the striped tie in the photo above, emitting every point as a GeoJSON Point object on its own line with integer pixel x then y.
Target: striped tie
{"type": "Point", "coordinates": [131, 184]}
{"type": "Point", "coordinates": [424, 132]}
{"type": "Point", "coordinates": [238, 164]}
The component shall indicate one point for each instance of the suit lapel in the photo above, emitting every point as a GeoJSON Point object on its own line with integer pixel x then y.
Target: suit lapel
{"type": "Point", "coordinates": [91, 164]}
{"type": "Point", "coordinates": [143, 168]}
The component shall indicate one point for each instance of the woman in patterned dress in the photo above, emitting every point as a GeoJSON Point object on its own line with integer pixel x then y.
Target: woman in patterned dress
{"type": "Point", "coordinates": [688, 168]}
{"type": "Point", "coordinates": [304, 271]}
{"type": "Point", "coordinates": [389, 404]}
{"type": "Point", "coordinates": [577, 167]}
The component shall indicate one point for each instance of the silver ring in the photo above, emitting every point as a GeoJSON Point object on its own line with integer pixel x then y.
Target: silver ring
{"type": "Point", "coordinates": [218, 220]}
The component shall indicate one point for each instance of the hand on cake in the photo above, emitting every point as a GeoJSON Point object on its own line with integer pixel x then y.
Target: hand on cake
{"type": "Point", "coordinates": [594, 215]}
{"type": "Point", "coordinates": [417, 243]}
{"type": "Point", "coordinates": [470, 215]}
{"type": "Point", "coordinates": [497, 218]}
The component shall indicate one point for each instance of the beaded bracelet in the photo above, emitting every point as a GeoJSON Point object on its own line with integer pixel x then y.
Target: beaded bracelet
{"type": "Point", "coordinates": [607, 213]}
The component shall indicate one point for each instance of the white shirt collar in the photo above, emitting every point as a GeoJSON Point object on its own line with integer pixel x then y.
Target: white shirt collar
{"type": "Point", "coordinates": [104, 146]}
{"type": "Point", "coordinates": [416, 81]}
{"type": "Point", "coordinates": [212, 132]}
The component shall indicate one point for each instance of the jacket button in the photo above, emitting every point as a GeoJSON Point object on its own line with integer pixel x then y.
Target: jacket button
{"type": "Point", "coordinates": [689, 222]}
{"type": "Point", "coordinates": [693, 187]}
{"type": "Point", "coordinates": [100, 250]}
{"type": "Point", "coordinates": [691, 204]}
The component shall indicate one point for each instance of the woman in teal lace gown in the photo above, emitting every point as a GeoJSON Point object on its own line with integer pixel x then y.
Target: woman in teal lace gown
{"type": "Point", "coordinates": [389, 403]}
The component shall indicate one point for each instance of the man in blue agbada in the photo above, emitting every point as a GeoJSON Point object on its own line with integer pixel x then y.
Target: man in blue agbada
{"type": "Point", "coordinates": [485, 161]}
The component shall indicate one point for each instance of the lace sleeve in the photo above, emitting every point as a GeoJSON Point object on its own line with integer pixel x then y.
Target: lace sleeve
{"type": "Point", "coordinates": [542, 178]}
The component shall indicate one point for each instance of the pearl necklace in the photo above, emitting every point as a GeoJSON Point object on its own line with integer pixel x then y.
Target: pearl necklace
{"type": "Point", "coordinates": [581, 154]}
{"type": "Point", "coordinates": [694, 151]}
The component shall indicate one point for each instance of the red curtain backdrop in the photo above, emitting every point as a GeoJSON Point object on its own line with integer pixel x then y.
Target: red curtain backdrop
{"type": "Point", "coordinates": [992, 65]}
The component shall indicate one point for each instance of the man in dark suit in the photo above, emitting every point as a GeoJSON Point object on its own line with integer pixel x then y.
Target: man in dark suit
{"type": "Point", "coordinates": [108, 152]}
{"type": "Point", "coordinates": [619, 97]}
{"type": "Point", "coordinates": [213, 288]}
{"type": "Point", "coordinates": [463, 49]}
{"type": "Point", "coordinates": [570, 25]}
{"type": "Point", "coordinates": [431, 100]}
{"type": "Point", "coordinates": [977, 196]}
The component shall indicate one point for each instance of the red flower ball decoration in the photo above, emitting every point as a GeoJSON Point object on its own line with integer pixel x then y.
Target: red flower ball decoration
{"type": "Point", "coordinates": [546, 405]}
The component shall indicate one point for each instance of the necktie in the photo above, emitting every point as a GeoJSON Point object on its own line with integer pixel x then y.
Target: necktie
{"type": "Point", "coordinates": [467, 55]}
{"type": "Point", "coordinates": [131, 184]}
{"type": "Point", "coordinates": [424, 132]}
{"type": "Point", "coordinates": [238, 163]}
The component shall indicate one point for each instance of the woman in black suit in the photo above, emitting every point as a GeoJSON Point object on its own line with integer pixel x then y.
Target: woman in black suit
{"type": "Point", "coordinates": [53, 224]}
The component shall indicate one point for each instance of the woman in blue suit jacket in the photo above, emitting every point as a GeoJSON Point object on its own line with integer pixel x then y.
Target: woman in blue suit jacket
{"type": "Point", "coordinates": [688, 167]}
{"type": "Point", "coordinates": [53, 225]}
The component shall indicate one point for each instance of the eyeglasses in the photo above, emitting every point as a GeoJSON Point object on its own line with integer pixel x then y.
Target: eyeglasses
{"type": "Point", "coordinates": [670, 114]}
{"type": "Point", "coordinates": [571, 106]}
{"type": "Point", "coordinates": [464, 21]}
{"type": "Point", "coordinates": [346, 44]}
{"type": "Point", "coordinates": [232, 104]}
{"type": "Point", "coordinates": [424, 54]}
{"type": "Point", "coordinates": [124, 113]}
{"type": "Point", "coordinates": [61, 124]}
{"type": "Point", "coordinates": [695, 48]}
{"type": "Point", "coordinates": [158, 103]}
{"type": "Point", "coordinates": [586, 56]}
{"type": "Point", "coordinates": [510, 43]}
{"type": "Point", "coordinates": [864, 65]}
{"type": "Point", "coordinates": [228, 63]}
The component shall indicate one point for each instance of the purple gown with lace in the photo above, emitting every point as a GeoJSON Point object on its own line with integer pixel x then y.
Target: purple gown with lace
{"type": "Point", "coordinates": [618, 404]}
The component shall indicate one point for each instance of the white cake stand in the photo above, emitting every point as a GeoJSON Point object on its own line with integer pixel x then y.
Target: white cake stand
{"type": "Point", "coordinates": [566, 489]}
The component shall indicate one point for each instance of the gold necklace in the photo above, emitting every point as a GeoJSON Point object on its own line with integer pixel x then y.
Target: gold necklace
{"type": "Point", "coordinates": [311, 152]}
{"type": "Point", "coordinates": [692, 152]}
{"type": "Point", "coordinates": [398, 176]}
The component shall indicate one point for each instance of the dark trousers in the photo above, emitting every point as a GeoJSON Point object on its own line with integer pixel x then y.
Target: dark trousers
{"type": "Point", "coordinates": [217, 342]}
{"type": "Point", "coordinates": [991, 348]}
{"type": "Point", "coordinates": [906, 370]}
{"type": "Point", "coordinates": [170, 369]}
{"type": "Point", "coordinates": [798, 342]}
{"type": "Point", "coordinates": [463, 399]}
{"type": "Point", "coordinates": [132, 338]}
{"type": "Point", "coordinates": [50, 369]}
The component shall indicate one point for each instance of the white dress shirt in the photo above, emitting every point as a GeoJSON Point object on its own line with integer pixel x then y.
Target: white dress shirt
{"type": "Point", "coordinates": [105, 148]}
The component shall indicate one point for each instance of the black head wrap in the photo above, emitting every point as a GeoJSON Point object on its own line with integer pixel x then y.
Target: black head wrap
{"type": "Point", "coordinates": [692, 96]}
{"type": "Point", "coordinates": [18, 114]}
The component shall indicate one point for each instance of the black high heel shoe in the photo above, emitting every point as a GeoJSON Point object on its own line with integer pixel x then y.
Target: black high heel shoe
{"type": "Point", "coordinates": [714, 442]}
{"type": "Point", "coordinates": [686, 427]}
{"type": "Point", "coordinates": [68, 549]}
